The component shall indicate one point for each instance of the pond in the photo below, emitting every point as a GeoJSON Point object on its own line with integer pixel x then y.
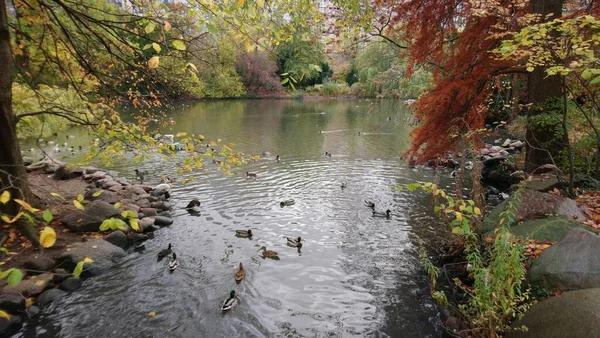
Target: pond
{"type": "Point", "coordinates": [356, 275]}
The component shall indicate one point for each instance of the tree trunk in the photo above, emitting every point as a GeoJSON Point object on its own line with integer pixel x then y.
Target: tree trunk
{"type": "Point", "coordinates": [12, 171]}
{"type": "Point", "coordinates": [542, 144]}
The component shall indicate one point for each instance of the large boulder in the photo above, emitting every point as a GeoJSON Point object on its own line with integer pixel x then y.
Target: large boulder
{"type": "Point", "coordinates": [106, 196]}
{"type": "Point", "coordinates": [12, 302]}
{"type": "Point", "coordinates": [553, 228]}
{"type": "Point", "coordinates": [91, 217]}
{"type": "Point", "coordinates": [117, 238]}
{"type": "Point", "coordinates": [38, 264]}
{"type": "Point", "coordinates": [31, 287]}
{"type": "Point", "coordinates": [573, 263]}
{"type": "Point", "coordinates": [572, 314]}
{"type": "Point", "coordinates": [102, 252]}
{"type": "Point", "coordinates": [49, 296]}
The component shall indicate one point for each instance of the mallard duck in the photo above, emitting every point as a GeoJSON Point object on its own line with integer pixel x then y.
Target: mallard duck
{"type": "Point", "coordinates": [327, 154]}
{"type": "Point", "coordinates": [230, 302]}
{"type": "Point", "coordinates": [244, 233]}
{"type": "Point", "coordinates": [277, 159]}
{"type": "Point", "coordinates": [174, 263]}
{"type": "Point", "coordinates": [385, 214]}
{"type": "Point", "coordinates": [343, 185]}
{"type": "Point", "coordinates": [168, 180]}
{"type": "Point", "coordinates": [163, 189]}
{"type": "Point", "coordinates": [164, 253]}
{"type": "Point", "coordinates": [251, 175]}
{"type": "Point", "coordinates": [295, 242]}
{"type": "Point", "coordinates": [138, 174]}
{"type": "Point", "coordinates": [240, 274]}
{"type": "Point", "coordinates": [287, 203]}
{"type": "Point", "coordinates": [269, 253]}
{"type": "Point", "coordinates": [193, 203]}
{"type": "Point", "coordinates": [369, 204]}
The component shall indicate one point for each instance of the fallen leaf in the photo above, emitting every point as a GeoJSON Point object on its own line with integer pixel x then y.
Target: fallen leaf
{"type": "Point", "coordinates": [151, 314]}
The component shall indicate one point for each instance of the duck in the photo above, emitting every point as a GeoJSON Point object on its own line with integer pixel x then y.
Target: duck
{"type": "Point", "coordinates": [174, 263]}
{"type": "Point", "coordinates": [165, 252]}
{"type": "Point", "coordinates": [295, 242]}
{"type": "Point", "coordinates": [369, 204]}
{"type": "Point", "coordinates": [252, 175]}
{"type": "Point", "coordinates": [240, 274]}
{"type": "Point", "coordinates": [230, 302]}
{"type": "Point", "coordinates": [343, 185]}
{"type": "Point", "coordinates": [162, 189]}
{"type": "Point", "coordinates": [138, 174]}
{"type": "Point", "coordinates": [277, 159]}
{"type": "Point", "coordinates": [193, 203]}
{"type": "Point", "coordinates": [217, 161]}
{"type": "Point", "coordinates": [385, 214]}
{"type": "Point", "coordinates": [287, 203]}
{"type": "Point", "coordinates": [244, 233]}
{"type": "Point", "coordinates": [268, 253]}
{"type": "Point", "coordinates": [327, 154]}
{"type": "Point", "coordinates": [168, 180]}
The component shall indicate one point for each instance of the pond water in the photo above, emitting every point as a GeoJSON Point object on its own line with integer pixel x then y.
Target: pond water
{"type": "Point", "coordinates": [356, 276]}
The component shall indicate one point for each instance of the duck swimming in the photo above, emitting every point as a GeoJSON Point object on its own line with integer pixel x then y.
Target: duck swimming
{"type": "Point", "coordinates": [138, 174]}
{"type": "Point", "coordinates": [193, 203]}
{"type": "Point", "coordinates": [244, 233]}
{"type": "Point", "coordinates": [385, 214]}
{"type": "Point", "coordinates": [230, 302]}
{"type": "Point", "coordinates": [251, 175]}
{"type": "Point", "coordinates": [343, 185]}
{"type": "Point", "coordinates": [174, 263]}
{"type": "Point", "coordinates": [240, 274]}
{"type": "Point", "coordinates": [287, 203]}
{"type": "Point", "coordinates": [269, 253]}
{"type": "Point", "coordinates": [165, 252]}
{"type": "Point", "coordinates": [295, 242]}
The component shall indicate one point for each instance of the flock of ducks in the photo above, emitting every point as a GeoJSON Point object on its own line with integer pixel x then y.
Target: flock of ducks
{"type": "Point", "coordinates": [164, 188]}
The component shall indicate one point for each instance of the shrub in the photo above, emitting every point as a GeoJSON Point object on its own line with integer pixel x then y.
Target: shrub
{"type": "Point", "coordinates": [257, 73]}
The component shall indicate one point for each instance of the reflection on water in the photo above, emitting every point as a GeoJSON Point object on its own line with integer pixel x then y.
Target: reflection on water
{"type": "Point", "coordinates": [356, 275]}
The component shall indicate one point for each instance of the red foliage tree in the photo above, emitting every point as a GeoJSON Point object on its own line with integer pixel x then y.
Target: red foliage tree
{"type": "Point", "coordinates": [257, 72]}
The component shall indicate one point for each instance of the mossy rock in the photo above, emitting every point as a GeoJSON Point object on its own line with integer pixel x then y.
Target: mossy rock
{"type": "Point", "coordinates": [547, 229]}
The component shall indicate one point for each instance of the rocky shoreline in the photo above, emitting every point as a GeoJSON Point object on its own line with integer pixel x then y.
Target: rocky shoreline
{"type": "Point", "coordinates": [51, 271]}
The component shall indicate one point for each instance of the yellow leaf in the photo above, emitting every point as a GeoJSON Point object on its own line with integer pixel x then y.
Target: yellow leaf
{"type": "Point", "coordinates": [151, 314]}
{"type": "Point", "coordinates": [153, 62]}
{"type": "Point", "coordinates": [249, 45]}
{"type": "Point", "coordinates": [181, 134]}
{"type": "Point", "coordinates": [88, 260]}
{"type": "Point", "coordinates": [5, 197]}
{"type": "Point", "coordinates": [14, 219]}
{"type": "Point", "coordinates": [459, 216]}
{"type": "Point", "coordinates": [47, 237]}
{"type": "Point", "coordinates": [78, 205]}
{"type": "Point", "coordinates": [29, 301]}
{"type": "Point", "coordinates": [4, 315]}
{"type": "Point", "coordinates": [477, 211]}
{"type": "Point", "coordinates": [213, 143]}
{"type": "Point", "coordinates": [26, 205]}
{"type": "Point", "coordinates": [260, 3]}
{"type": "Point", "coordinates": [167, 26]}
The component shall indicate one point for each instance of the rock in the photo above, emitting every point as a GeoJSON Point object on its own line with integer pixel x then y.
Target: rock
{"type": "Point", "coordinates": [107, 196]}
{"type": "Point", "coordinates": [49, 296]}
{"type": "Point", "coordinates": [572, 314]}
{"type": "Point", "coordinates": [453, 164]}
{"type": "Point", "coordinates": [61, 173]}
{"type": "Point", "coordinates": [123, 181]}
{"type": "Point", "coordinates": [148, 212]}
{"type": "Point", "coordinates": [27, 160]}
{"type": "Point", "coordinates": [60, 275]}
{"type": "Point", "coordinates": [70, 284]}
{"type": "Point", "coordinates": [74, 172]}
{"type": "Point", "coordinates": [111, 184]}
{"type": "Point", "coordinates": [33, 311]}
{"type": "Point", "coordinates": [12, 302]}
{"type": "Point", "coordinates": [9, 326]}
{"type": "Point", "coordinates": [147, 224]}
{"type": "Point", "coordinates": [39, 263]}
{"type": "Point", "coordinates": [503, 153]}
{"type": "Point", "coordinates": [162, 220]}
{"type": "Point", "coordinates": [153, 199]}
{"type": "Point", "coordinates": [115, 188]}
{"type": "Point", "coordinates": [452, 324]}
{"type": "Point", "coordinates": [89, 170]}
{"type": "Point", "coordinates": [136, 189]}
{"type": "Point", "coordinates": [495, 149]}
{"type": "Point", "coordinates": [131, 207]}
{"type": "Point", "coordinates": [164, 206]}
{"type": "Point", "coordinates": [546, 229]}
{"type": "Point", "coordinates": [143, 203]}
{"type": "Point", "coordinates": [544, 184]}
{"type": "Point", "coordinates": [519, 175]}
{"type": "Point", "coordinates": [31, 287]}
{"type": "Point", "coordinates": [517, 144]}
{"type": "Point", "coordinates": [492, 161]}
{"type": "Point", "coordinates": [137, 237]}
{"type": "Point", "coordinates": [117, 238]}
{"type": "Point", "coordinates": [571, 264]}
{"type": "Point", "coordinates": [506, 143]}
{"type": "Point", "coordinates": [91, 217]}
{"type": "Point", "coordinates": [102, 252]}
{"type": "Point", "coordinates": [97, 175]}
